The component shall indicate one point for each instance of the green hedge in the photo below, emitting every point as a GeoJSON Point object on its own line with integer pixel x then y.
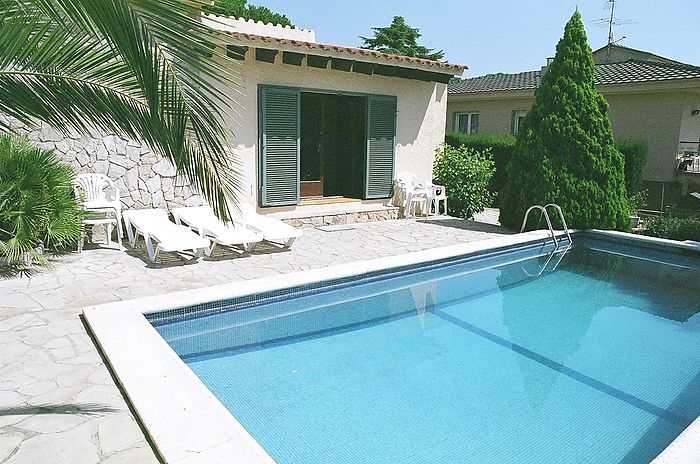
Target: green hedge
{"type": "Point", "coordinates": [466, 174]}
{"type": "Point", "coordinates": [674, 228]}
{"type": "Point", "coordinates": [500, 146]}
{"type": "Point", "coordinates": [635, 153]}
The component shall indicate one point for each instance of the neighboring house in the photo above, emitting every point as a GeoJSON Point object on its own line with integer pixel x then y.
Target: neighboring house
{"type": "Point", "coordinates": [650, 97]}
{"type": "Point", "coordinates": [318, 121]}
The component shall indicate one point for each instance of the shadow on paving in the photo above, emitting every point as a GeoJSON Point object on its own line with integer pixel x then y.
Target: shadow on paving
{"type": "Point", "coordinates": [81, 409]}
{"type": "Point", "coordinates": [471, 225]}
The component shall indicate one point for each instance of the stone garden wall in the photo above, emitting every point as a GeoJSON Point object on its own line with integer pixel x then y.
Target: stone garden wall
{"type": "Point", "coordinates": [145, 179]}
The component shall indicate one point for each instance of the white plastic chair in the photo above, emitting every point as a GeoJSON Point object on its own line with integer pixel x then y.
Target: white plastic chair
{"type": "Point", "coordinates": [203, 220]}
{"type": "Point", "coordinates": [100, 198]}
{"type": "Point", "coordinates": [438, 196]}
{"type": "Point", "coordinates": [155, 226]}
{"type": "Point", "coordinates": [414, 191]}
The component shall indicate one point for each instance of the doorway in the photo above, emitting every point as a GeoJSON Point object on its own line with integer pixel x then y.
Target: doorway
{"type": "Point", "coordinates": [333, 145]}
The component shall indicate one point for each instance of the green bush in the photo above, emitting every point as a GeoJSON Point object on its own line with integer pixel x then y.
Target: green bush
{"type": "Point", "coordinates": [466, 174]}
{"type": "Point", "coordinates": [37, 205]}
{"type": "Point", "coordinates": [635, 153]}
{"type": "Point", "coordinates": [565, 152]}
{"type": "Point", "coordinates": [500, 146]}
{"type": "Point", "coordinates": [674, 228]}
{"type": "Point", "coordinates": [240, 9]}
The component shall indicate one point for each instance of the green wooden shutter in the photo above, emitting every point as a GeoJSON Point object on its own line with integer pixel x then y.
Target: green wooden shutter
{"type": "Point", "coordinates": [279, 146]}
{"type": "Point", "coordinates": [381, 140]}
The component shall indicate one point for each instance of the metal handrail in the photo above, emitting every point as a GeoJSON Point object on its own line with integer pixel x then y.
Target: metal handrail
{"type": "Point", "coordinates": [543, 212]}
{"type": "Point", "coordinates": [557, 243]}
{"type": "Point", "coordinates": [561, 218]}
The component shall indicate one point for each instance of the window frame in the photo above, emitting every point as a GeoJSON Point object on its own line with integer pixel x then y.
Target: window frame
{"type": "Point", "coordinates": [470, 115]}
{"type": "Point", "coordinates": [517, 115]}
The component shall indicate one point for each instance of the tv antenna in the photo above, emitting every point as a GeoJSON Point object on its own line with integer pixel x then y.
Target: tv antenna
{"type": "Point", "coordinates": [610, 22]}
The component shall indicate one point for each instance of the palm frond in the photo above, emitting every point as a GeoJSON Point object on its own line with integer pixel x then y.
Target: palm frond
{"type": "Point", "coordinates": [148, 69]}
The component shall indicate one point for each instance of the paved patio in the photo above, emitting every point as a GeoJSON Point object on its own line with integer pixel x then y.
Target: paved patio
{"type": "Point", "coordinates": [58, 402]}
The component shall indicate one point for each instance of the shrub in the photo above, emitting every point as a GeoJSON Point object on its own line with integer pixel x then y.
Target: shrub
{"type": "Point", "coordinates": [635, 153]}
{"type": "Point", "coordinates": [674, 228]}
{"type": "Point", "coordinates": [637, 201]}
{"type": "Point", "coordinates": [500, 146]}
{"type": "Point", "coordinates": [37, 205]}
{"type": "Point", "coordinates": [565, 152]}
{"type": "Point", "coordinates": [466, 174]}
{"type": "Point", "coordinates": [240, 9]}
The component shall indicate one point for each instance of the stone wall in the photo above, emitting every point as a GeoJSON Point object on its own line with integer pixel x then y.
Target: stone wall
{"type": "Point", "coordinates": [144, 178]}
{"type": "Point", "coordinates": [356, 217]}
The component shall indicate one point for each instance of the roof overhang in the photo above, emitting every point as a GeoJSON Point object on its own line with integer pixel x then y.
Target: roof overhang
{"type": "Point", "coordinates": [369, 62]}
{"type": "Point", "coordinates": [493, 95]}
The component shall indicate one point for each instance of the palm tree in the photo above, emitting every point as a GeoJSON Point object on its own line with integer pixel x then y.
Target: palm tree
{"type": "Point", "coordinates": [140, 68]}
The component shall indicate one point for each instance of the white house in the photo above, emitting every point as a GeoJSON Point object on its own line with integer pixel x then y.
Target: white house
{"type": "Point", "coordinates": [319, 121]}
{"type": "Point", "coordinates": [313, 121]}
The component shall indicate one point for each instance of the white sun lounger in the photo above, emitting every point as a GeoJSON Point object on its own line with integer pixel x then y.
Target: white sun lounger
{"type": "Point", "coordinates": [273, 230]}
{"type": "Point", "coordinates": [203, 220]}
{"type": "Point", "coordinates": [155, 226]}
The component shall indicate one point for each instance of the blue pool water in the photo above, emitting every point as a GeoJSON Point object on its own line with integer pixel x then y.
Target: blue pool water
{"type": "Point", "coordinates": [596, 362]}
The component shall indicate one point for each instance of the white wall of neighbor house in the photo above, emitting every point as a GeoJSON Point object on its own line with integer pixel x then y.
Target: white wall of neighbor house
{"type": "Point", "coordinates": [663, 119]}
{"type": "Point", "coordinates": [495, 116]}
{"type": "Point", "coordinates": [656, 118]}
{"type": "Point", "coordinates": [420, 124]}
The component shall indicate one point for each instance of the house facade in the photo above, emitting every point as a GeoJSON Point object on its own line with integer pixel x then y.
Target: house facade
{"type": "Point", "coordinates": [312, 122]}
{"type": "Point", "coordinates": [650, 98]}
{"type": "Point", "coordinates": [318, 121]}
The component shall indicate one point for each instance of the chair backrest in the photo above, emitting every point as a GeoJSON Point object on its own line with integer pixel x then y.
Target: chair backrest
{"type": "Point", "coordinates": [95, 187]}
{"type": "Point", "coordinates": [149, 218]}
{"type": "Point", "coordinates": [411, 181]}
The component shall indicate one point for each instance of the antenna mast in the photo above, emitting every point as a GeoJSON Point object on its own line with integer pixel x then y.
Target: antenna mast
{"type": "Point", "coordinates": [611, 23]}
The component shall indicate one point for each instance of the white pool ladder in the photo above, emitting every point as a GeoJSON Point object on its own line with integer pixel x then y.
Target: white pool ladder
{"type": "Point", "coordinates": [558, 246]}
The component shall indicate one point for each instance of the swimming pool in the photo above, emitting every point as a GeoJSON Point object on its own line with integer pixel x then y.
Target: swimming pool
{"type": "Point", "coordinates": [468, 359]}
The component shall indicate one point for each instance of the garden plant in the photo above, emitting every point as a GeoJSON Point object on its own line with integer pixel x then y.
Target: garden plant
{"type": "Point", "coordinates": [565, 152]}
{"type": "Point", "coordinates": [38, 208]}
{"type": "Point", "coordinates": [143, 69]}
{"type": "Point", "coordinates": [466, 174]}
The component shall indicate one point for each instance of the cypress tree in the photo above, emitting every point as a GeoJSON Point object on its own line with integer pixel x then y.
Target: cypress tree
{"type": "Point", "coordinates": [565, 152]}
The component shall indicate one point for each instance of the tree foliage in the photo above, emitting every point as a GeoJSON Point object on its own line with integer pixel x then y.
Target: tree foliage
{"type": "Point", "coordinates": [38, 208]}
{"type": "Point", "coordinates": [241, 9]}
{"type": "Point", "coordinates": [140, 68]}
{"type": "Point", "coordinates": [466, 174]}
{"type": "Point", "coordinates": [500, 146]}
{"type": "Point", "coordinates": [635, 153]}
{"type": "Point", "coordinates": [674, 228]}
{"type": "Point", "coordinates": [400, 39]}
{"type": "Point", "coordinates": [565, 152]}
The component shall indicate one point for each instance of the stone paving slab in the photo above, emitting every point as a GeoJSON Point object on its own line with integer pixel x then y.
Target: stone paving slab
{"type": "Point", "coordinates": [58, 403]}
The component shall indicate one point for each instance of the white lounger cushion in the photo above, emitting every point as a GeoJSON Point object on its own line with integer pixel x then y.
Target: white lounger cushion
{"type": "Point", "coordinates": [203, 219]}
{"type": "Point", "coordinates": [154, 224]}
{"type": "Point", "coordinates": [273, 230]}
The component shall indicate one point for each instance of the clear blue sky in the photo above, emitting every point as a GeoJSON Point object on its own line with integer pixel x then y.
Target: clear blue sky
{"type": "Point", "coordinates": [503, 35]}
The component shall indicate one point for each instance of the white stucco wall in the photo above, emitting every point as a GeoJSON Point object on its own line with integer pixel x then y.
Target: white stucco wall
{"type": "Point", "coordinates": [420, 121]}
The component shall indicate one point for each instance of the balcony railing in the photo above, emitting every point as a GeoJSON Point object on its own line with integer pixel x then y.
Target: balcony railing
{"type": "Point", "coordinates": [688, 162]}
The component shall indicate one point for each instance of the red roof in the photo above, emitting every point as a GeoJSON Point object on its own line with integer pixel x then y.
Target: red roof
{"type": "Point", "coordinates": [274, 41]}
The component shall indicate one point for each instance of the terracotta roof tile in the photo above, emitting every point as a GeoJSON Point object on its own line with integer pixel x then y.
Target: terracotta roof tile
{"type": "Point", "coordinates": [348, 50]}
